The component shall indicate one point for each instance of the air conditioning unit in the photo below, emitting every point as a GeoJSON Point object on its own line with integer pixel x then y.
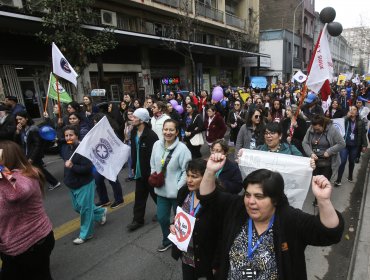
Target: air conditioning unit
{"type": "Point", "coordinates": [108, 18]}
{"type": "Point", "coordinates": [12, 3]}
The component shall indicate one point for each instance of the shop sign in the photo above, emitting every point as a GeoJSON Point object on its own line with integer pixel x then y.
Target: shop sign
{"type": "Point", "coordinates": [170, 81]}
{"type": "Point", "coordinates": [97, 92]}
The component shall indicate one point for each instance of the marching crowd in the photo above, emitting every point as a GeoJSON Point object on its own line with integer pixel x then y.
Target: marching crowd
{"type": "Point", "coordinates": [257, 235]}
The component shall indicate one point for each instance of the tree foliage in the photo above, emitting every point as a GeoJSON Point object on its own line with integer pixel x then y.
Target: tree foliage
{"type": "Point", "coordinates": [63, 22]}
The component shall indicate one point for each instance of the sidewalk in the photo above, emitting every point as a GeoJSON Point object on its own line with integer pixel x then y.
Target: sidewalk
{"type": "Point", "coordinates": [359, 268]}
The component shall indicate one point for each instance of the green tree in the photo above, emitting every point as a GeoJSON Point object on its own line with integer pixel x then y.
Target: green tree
{"type": "Point", "coordinates": [63, 22]}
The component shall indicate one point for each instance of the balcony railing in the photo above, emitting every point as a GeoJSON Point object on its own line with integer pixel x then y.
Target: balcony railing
{"type": "Point", "coordinates": [235, 21]}
{"type": "Point", "coordinates": [182, 4]}
{"type": "Point", "coordinates": [207, 11]}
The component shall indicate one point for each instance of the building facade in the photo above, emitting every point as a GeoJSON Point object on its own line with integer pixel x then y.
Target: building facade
{"type": "Point", "coordinates": [279, 21]}
{"type": "Point", "coordinates": [145, 61]}
{"type": "Point", "coordinates": [359, 39]}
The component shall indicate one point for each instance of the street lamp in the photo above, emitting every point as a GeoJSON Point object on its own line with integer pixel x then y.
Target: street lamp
{"type": "Point", "coordinates": [295, 10]}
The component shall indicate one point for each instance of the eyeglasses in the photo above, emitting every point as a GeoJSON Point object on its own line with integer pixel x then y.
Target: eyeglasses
{"type": "Point", "coordinates": [270, 133]}
{"type": "Point", "coordinates": [257, 116]}
{"type": "Point", "coordinates": [236, 104]}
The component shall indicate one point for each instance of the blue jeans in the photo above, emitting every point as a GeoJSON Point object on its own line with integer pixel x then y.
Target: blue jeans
{"type": "Point", "coordinates": [349, 152]}
{"type": "Point", "coordinates": [83, 203]}
{"type": "Point", "coordinates": [164, 206]}
{"type": "Point", "coordinates": [101, 189]}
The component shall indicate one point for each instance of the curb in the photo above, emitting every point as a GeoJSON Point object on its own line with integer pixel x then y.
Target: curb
{"type": "Point", "coordinates": [352, 264]}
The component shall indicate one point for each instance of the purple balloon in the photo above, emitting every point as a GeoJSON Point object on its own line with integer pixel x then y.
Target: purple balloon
{"type": "Point", "coordinates": [179, 109]}
{"type": "Point", "coordinates": [174, 103]}
{"type": "Point", "coordinates": [217, 94]}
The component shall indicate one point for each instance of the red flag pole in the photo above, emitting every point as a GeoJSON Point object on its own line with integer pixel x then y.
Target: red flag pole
{"type": "Point", "coordinates": [59, 109]}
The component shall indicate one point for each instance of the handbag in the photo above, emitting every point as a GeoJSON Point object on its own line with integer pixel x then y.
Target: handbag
{"type": "Point", "coordinates": [156, 180]}
{"type": "Point", "coordinates": [197, 139]}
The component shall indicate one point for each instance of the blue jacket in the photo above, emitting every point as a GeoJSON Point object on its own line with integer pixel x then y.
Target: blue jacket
{"type": "Point", "coordinates": [176, 169]}
{"type": "Point", "coordinates": [284, 149]}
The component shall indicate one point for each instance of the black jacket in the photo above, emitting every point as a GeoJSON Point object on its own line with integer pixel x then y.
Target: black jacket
{"type": "Point", "coordinates": [293, 231]}
{"type": "Point", "coordinates": [33, 146]}
{"type": "Point", "coordinates": [298, 135]}
{"type": "Point", "coordinates": [359, 132]}
{"type": "Point", "coordinates": [231, 178]}
{"type": "Point", "coordinates": [8, 128]}
{"type": "Point", "coordinates": [205, 236]}
{"type": "Point", "coordinates": [147, 140]}
{"type": "Point", "coordinates": [195, 127]}
{"type": "Point", "coordinates": [81, 172]}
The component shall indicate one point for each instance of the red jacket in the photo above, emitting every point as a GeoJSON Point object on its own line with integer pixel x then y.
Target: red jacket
{"type": "Point", "coordinates": [216, 129]}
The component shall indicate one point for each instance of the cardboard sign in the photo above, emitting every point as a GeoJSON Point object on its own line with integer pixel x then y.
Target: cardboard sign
{"type": "Point", "coordinates": [184, 225]}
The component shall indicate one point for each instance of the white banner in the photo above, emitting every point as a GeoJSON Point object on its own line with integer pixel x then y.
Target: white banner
{"type": "Point", "coordinates": [300, 77]}
{"type": "Point", "coordinates": [106, 151]}
{"type": "Point", "coordinates": [184, 226]}
{"type": "Point", "coordinates": [296, 171]}
{"type": "Point", "coordinates": [61, 66]}
{"type": "Point", "coordinates": [339, 125]}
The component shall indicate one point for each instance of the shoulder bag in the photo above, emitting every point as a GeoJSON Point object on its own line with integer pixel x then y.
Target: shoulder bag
{"type": "Point", "coordinates": [156, 180]}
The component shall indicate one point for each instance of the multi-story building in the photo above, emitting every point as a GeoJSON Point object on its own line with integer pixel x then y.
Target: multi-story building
{"type": "Point", "coordinates": [279, 21]}
{"type": "Point", "coordinates": [143, 63]}
{"type": "Point", "coordinates": [359, 39]}
{"type": "Point", "coordinates": [341, 50]}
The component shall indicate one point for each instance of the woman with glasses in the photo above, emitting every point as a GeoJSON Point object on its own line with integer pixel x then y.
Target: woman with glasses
{"type": "Point", "coordinates": [250, 134]}
{"type": "Point", "coordinates": [294, 128]}
{"type": "Point", "coordinates": [235, 120]}
{"type": "Point", "coordinates": [193, 124]}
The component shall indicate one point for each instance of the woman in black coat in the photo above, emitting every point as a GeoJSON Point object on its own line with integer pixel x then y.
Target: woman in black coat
{"type": "Point", "coordinates": [335, 110]}
{"type": "Point", "coordinates": [193, 124]}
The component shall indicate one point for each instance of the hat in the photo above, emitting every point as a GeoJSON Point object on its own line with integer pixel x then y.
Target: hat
{"type": "Point", "coordinates": [12, 98]}
{"type": "Point", "coordinates": [142, 114]}
{"type": "Point", "coordinates": [311, 97]}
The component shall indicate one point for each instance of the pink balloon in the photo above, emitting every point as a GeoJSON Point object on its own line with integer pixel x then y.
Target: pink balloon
{"type": "Point", "coordinates": [174, 103]}
{"type": "Point", "coordinates": [179, 109]}
{"type": "Point", "coordinates": [217, 94]}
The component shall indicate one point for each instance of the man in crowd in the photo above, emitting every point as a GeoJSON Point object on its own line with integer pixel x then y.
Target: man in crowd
{"type": "Point", "coordinates": [12, 102]}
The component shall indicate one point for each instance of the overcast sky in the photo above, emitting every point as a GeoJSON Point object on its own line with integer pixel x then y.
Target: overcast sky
{"type": "Point", "coordinates": [349, 13]}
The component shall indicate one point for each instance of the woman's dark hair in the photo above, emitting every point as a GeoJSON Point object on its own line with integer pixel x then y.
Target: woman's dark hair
{"type": "Point", "coordinates": [75, 106]}
{"type": "Point", "coordinates": [113, 123]}
{"type": "Point", "coordinates": [223, 145]}
{"type": "Point", "coordinates": [272, 184]}
{"type": "Point", "coordinates": [273, 127]}
{"type": "Point", "coordinates": [25, 115]}
{"type": "Point", "coordinates": [161, 106]}
{"type": "Point", "coordinates": [13, 157]}
{"type": "Point", "coordinates": [139, 101]}
{"type": "Point", "coordinates": [212, 107]}
{"type": "Point", "coordinates": [194, 107]}
{"type": "Point", "coordinates": [320, 120]}
{"type": "Point", "coordinates": [197, 166]}
{"type": "Point", "coordinates": [74, 128]}
{"type": "Point", "coordinates": [176, 123]}
{"type": "Point", "coordinates": [77, 115]}
{"type": "Point", "coordinates": [250, 116]}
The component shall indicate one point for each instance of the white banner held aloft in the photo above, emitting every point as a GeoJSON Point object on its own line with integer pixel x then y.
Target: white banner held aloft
{"type": "Point", "coordinates": [339, 125]}
{"type": "Point", "coordinates": [184, 226]}
{"type": "Point", "coordinates": [106, 151]}
{"type": "Point", "coordinates": [296, 171]}
{"type": "Point", "coordinates": [300, 77]}
{"type": "Point", "coordinates": [61, 66]}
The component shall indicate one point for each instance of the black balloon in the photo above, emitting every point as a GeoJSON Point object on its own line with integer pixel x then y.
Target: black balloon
{"type": "Point", "coordinates": [335, 29]}
{"type": "Point", "coordinates": [327, 15]}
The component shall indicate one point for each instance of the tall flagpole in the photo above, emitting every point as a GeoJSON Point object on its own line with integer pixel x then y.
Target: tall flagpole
{"type": "Point", "coordinates": [59, 109]}
{"type": "Point", "coordinates": [47, 95]}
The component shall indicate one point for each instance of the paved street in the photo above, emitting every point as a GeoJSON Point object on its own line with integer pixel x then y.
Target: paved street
{"type": "Point", "coordinates": [116, 254]}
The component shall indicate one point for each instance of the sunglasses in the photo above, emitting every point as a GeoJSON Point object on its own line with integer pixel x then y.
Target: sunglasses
{"type": "Point", "coordinates": [257, 116]}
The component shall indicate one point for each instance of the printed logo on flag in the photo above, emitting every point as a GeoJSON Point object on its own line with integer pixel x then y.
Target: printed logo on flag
{"type": "Point", "coordinates": [65, 65]}
{"type": "Point", "coordinates": [102, 150]}
{"type": "Point", "coordinates": [300, 78]}
{"type": "Point", "coordinates": [60, 87]}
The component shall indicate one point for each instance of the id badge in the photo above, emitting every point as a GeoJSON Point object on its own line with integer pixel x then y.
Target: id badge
{"type": "Point", "coordinates": [352, 136]}
{"type": "Point", "coordinates": [252, 145]}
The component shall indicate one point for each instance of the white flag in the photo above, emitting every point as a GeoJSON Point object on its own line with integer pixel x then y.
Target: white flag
{"type": "Point", "coordinates": [322, 65]}
{"type": "Point", "coordinates": [356, 80]}
{"type": "Point", "coordinates": [339, 125]}
{"type": "Point", "coordinates": [300, 77]}
{"type": "Point", "coordinates": [104, 149]}
{"type": "Point", "coordinates": [61, 66]}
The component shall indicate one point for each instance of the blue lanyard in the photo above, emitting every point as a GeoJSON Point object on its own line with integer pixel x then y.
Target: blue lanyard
{"type": "Point", "coordinates": [193, 211]}
{"type": "Point", "coordinates": [219, 172]}
{"type": "Point", "coordinates": [250, 234]}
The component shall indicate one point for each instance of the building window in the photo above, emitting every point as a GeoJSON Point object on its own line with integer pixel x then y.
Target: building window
{"type": "Point", "coordinates": [296, 51]}
{"type": "Point", "coordinates": [305, 22]}
{"type": "Point", "coordinates": [289, 47]}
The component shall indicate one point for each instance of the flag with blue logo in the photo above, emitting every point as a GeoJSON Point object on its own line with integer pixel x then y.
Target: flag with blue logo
{"type": "Point", "coordinates": [106, 151]}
